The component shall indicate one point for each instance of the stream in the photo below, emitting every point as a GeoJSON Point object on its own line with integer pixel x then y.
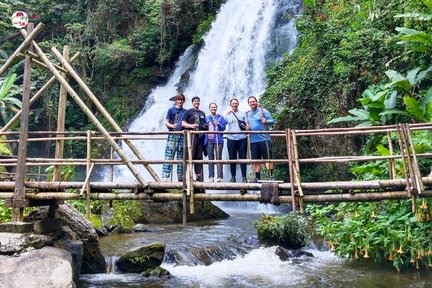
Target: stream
{"type": "Point", "coordinates": [220, 253]}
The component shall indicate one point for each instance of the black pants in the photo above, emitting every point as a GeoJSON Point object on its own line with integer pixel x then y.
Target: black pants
{"type": "Point", "coordinates": [237, 147]}
{"type": "Point", "coordinates": [197, 153]}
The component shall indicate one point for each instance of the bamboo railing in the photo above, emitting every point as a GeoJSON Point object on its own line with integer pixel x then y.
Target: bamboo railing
{"type": "Point", "coordinates": [28, 189]}
{"type": "Point", "coordinates": [294, 191]}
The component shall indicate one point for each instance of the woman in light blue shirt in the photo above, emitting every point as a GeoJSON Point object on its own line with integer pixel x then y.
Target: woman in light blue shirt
{"type": "Point", "coordinates": [236, 143]}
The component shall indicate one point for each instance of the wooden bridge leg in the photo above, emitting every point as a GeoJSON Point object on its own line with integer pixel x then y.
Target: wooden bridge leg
{"type": "Point", "coordinates": [20, 189]}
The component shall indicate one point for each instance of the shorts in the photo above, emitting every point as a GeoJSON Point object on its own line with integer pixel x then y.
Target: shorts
{"type": "Point", "coordinates": [261, 150]}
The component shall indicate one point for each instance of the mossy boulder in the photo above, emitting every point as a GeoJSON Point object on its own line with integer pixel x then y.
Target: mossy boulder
{"type": "Point", "coordinates": [142, 258]}
{"type": "Point", "coordinates": [288, 231]}
{"type": "Point", "coordinates": [171, 212]}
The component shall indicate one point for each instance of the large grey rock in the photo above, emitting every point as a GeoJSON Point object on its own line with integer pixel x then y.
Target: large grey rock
{"type": "Point", "coordinates": [76, 227]}
{"type": "Point", "coordinates": [171, 212]}
{"type": "Point", "coordinates": [47, 267]}
{"type": "Point", "coordinates": [16, 243]}
{"type": "Point", "coordinates": [140, 259]}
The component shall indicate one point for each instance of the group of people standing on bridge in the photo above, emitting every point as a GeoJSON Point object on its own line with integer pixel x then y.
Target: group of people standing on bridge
{"type": "Point", "coordinates": [212, 144]}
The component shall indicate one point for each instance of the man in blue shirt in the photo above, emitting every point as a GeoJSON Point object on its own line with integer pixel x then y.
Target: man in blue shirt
{"type": "Point", "coordinates": [259, 119]}
{"type": "Point", "coordinates": [175, 141]}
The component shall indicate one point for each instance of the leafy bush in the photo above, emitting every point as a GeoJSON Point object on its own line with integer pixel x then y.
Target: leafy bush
{"type": "Point", "coordinates": [386, 231]}
{"type": "Point", "coordinates": [289, 231]}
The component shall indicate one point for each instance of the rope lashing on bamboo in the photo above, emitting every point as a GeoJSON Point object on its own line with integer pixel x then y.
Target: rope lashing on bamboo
{"type": "Point", "coordinates": [270, 193]}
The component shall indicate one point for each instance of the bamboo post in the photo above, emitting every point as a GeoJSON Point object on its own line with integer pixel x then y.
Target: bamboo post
{"type": "Point", "coordinates": [36, 97]}
{"type": "Point", "coordinates": [413, 176]}
{"type": "Point", "coordinates": [91, 116]}
{"type": "Point", "coordinates": [31, 35]}
{"type": "Point", "coordinates": [190, 173]}
{"type": "Point", "coordinates": [105, 113]}
{"type": "Point", "coordinates": [416, 168]}
{"type": "Point", "coordinates": [184, 185]}
{"type": "Point", "coordinates": [89, 170]}
{"type": "Point", "coordinates": [20, 190]}
{"type": "Point", "coordinates": [61, 112]}
{"type": "Point", "coordinates": [391, 161]}
{"type": "Point", "coordinates": [111, 174]}
{"type": "Point", "coordinates": [290, 167]}
{"type": "Point", "coordinates": [297, 170]}
{"type": "Point", "coordinates": [404, 163]}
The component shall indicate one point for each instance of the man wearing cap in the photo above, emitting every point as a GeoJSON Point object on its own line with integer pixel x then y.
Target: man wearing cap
{"type": "Point", "coordinates": [174, 143]}
{"type": "Point", "coordinates": [194, 119]}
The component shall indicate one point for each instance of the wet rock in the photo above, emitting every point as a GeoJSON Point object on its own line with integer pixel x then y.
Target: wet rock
{"type": "Point", "coordinates": [75, 248]}
{"type": "Point", "coordinates": [144, 228]}
{"type": "Point", "coordinates": [171, 212]}
{"type": "Point", "coordinates": [16, 243]}
{"type": "Point", "coordinates": [140, 259]}
{"type": "Point", "coordinates": [157, 272]}
{"type": "Point", "coordinates": [286, 254]}
{"type": "Point", "coordinates": [253, 242]}
{"type": "Point", "coordinates": [47, 267]}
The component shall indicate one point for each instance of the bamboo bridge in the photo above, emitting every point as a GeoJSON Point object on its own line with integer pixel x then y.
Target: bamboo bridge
{"type": "Point", "coordinates": [23, 183]}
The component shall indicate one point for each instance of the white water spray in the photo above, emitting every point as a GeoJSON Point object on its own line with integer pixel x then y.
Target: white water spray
{"type": "Point", "coordinates": [231, 64]}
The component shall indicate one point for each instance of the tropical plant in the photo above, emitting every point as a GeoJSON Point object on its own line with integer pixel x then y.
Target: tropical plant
{"type": "Point", "coordinates": [400, 100]}
{"type": "Point", "coordinates": [386, 231]}
{"type": "Point", "coordinates": [8, 102]}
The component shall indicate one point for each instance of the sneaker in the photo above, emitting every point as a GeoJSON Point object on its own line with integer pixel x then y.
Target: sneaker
{"type": "Point", "coordinates": [254, 180]}
{"type": "Point", "coordinates": [198, 178]}
{"type": "Point", "coordinates": [244, 180]}
{"type": "Point", "coordinates": [233, 180]}
{"type": "Point", "coordinates": [165, 179]}
{"type": "Point", "coordinates": [211, 179]}
{"type": "Point", "coordinates": [219, 179]}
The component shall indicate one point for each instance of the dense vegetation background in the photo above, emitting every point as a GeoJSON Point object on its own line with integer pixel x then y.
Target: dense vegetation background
{"type": "Point", "coordinates": [127, 48]}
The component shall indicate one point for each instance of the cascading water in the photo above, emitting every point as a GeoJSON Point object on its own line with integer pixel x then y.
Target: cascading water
{"type": "Point", "coordinates": [244, 38]}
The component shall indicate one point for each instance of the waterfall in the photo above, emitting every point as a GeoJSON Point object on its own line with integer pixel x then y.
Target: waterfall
{"type": "Point", "coordinates": [245, 37]}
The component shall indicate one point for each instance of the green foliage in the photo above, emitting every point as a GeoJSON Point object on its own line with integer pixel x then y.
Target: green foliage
{"type": "Point", "coordinates": [5, 213]}
{"type": "Point", "coordinates": [288, 231]}
{"type": "Point", "coordinates": [203, 27]}
{"type": "Point", "coordinates": [67, 172]}
{"type": "Point", "coordinates": [386, 231]}
{"type": "Point", "coordinates": [125, 213]}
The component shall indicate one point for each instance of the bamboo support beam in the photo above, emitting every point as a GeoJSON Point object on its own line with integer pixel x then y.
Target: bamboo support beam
{"type": "Point", "coordinates": [89, 114]}
{"type": "Point", "coordinates": [86, 185]}
{"type": "Point", "coordinates": [23, 45]}
{"type": "Point", "coordinates": [290, 167]}
{"type": "Point", "coordinates": [100, 107]}
{"type": "Point", "coordinates": [359, 197]}
{"type": "Point", "coordinates": [20, 189]}
{"type": "Point", "coordinates": [35, 97]}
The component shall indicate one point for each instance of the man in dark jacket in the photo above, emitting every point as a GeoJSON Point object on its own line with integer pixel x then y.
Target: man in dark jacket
{"type": "Point", "coordinates": [194, 119]}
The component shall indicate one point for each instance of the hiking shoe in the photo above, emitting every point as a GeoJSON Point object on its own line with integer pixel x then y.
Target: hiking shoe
{"type": "Point", "coordinates": [211, 179]}
{"type": "Point", "coordinates": [244, 180]}
{"type": "Point", "coordinates": [233, 180]}
{"type": "Point", "coordinates": [219, 179]}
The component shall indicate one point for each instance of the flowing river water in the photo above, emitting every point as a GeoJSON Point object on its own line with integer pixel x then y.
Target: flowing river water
{"type": "Point", "coordinates": [239, 263]}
